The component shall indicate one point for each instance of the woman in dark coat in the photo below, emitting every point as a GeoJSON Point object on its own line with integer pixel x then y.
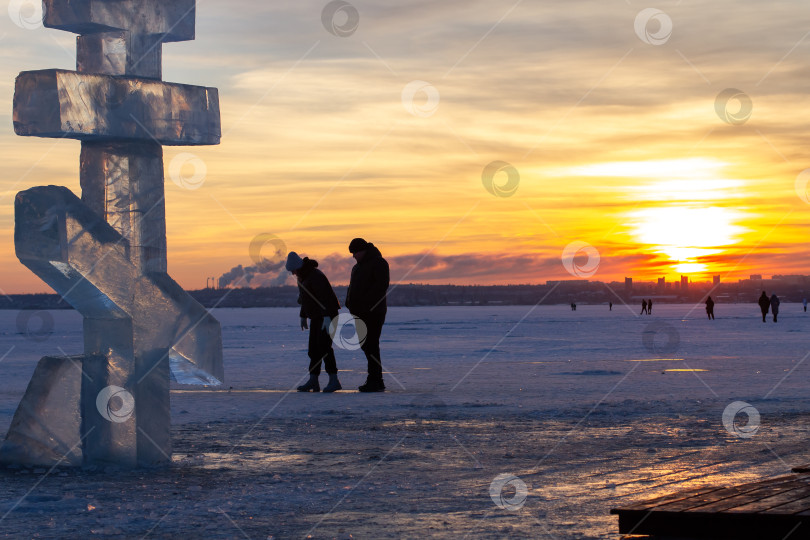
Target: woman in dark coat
{"type": "Point", "coordinates": [320, 305]}
{"type": "Point", "coordinates": [774, 306]}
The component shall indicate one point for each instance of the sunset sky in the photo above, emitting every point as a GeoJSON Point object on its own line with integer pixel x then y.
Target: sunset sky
{"type": "Point", "coordinates": [613, 126]}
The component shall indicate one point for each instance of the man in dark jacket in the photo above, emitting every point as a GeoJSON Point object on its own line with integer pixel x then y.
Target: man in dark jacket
{"type": "Point", "coordinates": [366, 300]}
{"type": "Point", "coordinates": [764, 305]}
{"type": "Point", "coordinates": [710, 307]}
{"type": "Point", "coordinates": [320, 305]}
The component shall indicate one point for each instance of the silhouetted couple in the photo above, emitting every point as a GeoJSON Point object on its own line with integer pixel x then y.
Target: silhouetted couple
{"type": "Point", "coordinates": [646, 307]}
{"type": "Point", "coordinates": [365, 299]}
{"type": "Point", "coordinates": [765, 303]}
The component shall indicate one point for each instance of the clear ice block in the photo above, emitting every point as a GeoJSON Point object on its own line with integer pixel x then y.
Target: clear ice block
{"type": "Point", "coordinates": [57, 103]}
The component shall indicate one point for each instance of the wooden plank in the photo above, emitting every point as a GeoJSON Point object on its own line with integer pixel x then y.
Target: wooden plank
{"type": "Point", "coordinates": [748, 497]}
{"type": "Point", "coordinates": [702, 491]}
{"type": "Point", "coordinates": [646, 505]}
{"type": "Point", "coordinates": [774, 508]}
{"type": "Point", "coordinates": [796, 506]}
{"type": "Point", "coordinates": [720, 495]}
{"type": "Point", "coordinates": [767, 503]}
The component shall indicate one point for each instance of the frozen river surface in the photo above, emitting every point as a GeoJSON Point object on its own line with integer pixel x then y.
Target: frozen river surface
{"type": "Point", "coordinates": [545, 358]}
{"type": "Point", "coordinates": [588, 409]}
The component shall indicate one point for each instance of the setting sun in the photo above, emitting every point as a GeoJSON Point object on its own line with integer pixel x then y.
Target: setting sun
{"type": "Point", "coordinates": [686, 234]}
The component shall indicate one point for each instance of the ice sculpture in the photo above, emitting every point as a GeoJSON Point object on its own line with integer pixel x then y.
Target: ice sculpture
{"type": "Point", "coordinates": [106, 253]}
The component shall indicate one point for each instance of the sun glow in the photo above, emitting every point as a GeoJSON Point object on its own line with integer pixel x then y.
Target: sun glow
{"type": "Point", "coordinates": [685, 234]}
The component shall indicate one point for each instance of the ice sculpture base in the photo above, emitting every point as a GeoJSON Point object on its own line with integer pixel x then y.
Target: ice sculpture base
{"type": "Point", "coordinates": [46, 428]}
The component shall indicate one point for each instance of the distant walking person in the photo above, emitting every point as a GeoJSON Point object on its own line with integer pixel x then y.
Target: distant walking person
{"type": "Point", "coordinates": [649, 306]}
{"type": "Point", "coordinates": [764, 304]}
{"type": "Point", "coordinates": [710, 308]}
{"type": "Point", "coordinates": [804, 303]}
{"type": "Point", "coordinates": [320, 305]}
{"type": "Point", "coordinates": [774, 306]}
{"type": "Point", "coordinates": [573, 306]}
{"type": "Point", "coordinates": [610, 305]}
{"type": "Point", "coordinates": [366, 300]}
{"type": "Point", "coordinates": [643, 307]}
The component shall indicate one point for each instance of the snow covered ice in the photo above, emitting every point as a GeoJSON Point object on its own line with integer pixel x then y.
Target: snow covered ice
{"type": "Point", "coordinates": [574, 404]}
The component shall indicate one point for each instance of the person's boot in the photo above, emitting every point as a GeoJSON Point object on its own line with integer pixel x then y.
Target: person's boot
{"type": "Point", "coordinates": [373, 386]}
{"type": "Point", "coordinates": [334, 383]}
{"type": "Point", "coordinates": [312, 385]}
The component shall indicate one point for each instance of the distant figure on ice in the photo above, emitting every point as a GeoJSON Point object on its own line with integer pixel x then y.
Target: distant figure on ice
{"type": "Point", "coordinates": [649, 306]}
{"type": "Point", "coordinates": [643, 307]}
{"type": "Point", "coordinates": [774, 306]}
{"type": "Point", "coordinates": [573, 306]}
{"type": "Point", "coordinates": [804, 303]}
{"type": "Point", "coordinates": [710, 307]}
{"type": "Point", "coordinates": [320, 305]}
{"type": "Point", "coordinates": [610, 305]}
{"type": "Point", "coordinates": [764, 304]}
{"type": "Point", "coordinates": [366, 300]}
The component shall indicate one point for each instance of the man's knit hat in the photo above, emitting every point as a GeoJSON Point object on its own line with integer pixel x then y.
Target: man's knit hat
{"type": "Point", "coordinates": [294, 262]}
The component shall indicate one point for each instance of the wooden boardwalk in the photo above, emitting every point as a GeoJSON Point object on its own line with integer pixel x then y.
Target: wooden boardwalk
{"type": "Point", "coordinates": [777, 508]}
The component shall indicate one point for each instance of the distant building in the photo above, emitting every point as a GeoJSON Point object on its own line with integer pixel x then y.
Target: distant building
{"type": "Point", "coordinates": [684, 283]}
{"type": "Point", "coordinates": [628, 283]}
{"type": "Point", "coordinates": [716, 280]}
{"type": "Point", "coordinates": [755, 277]}
{"type": "Point", "coordinates": [791, 279]}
